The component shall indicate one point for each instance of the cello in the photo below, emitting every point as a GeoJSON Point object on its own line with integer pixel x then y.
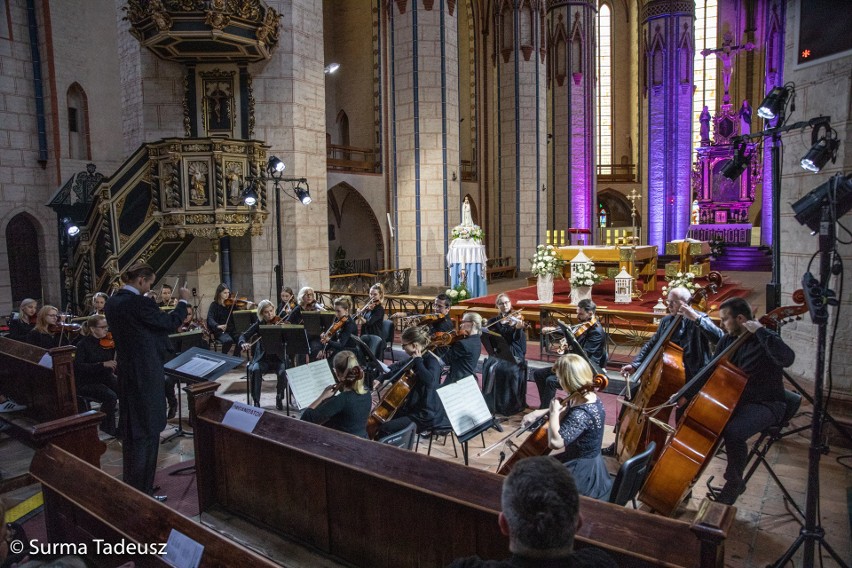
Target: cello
{"type": "Point", "coordinates": [698, 434]}
{"type": "Point", "coordinates": [536, 443]}
{"type": "Point", "coordinates": [660, 374]}
{"type": "Point", "coordinates": [392, 400]}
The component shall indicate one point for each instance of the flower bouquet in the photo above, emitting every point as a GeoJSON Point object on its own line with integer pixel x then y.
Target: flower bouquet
{"type": "Point", "coordinates": [546, 261]}
{"type": "Point", "coordinates": [458, 293]}
{"type": "Point", "coordinates": [684, 279]}
{"type": "Point", "coordinates": [474, 233]}
{"type": "Point", "coordinates": [585, 275]}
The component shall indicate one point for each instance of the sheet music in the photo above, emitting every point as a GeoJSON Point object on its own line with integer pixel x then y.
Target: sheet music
{"type": "Point", "coordinates": [200, 366]}
{"type": "Point", "coordinates": [182, 551]}
{"type": "Point", "coordinates": [465, 405]}
{"type": "Point", "coordinates": [308, 381]}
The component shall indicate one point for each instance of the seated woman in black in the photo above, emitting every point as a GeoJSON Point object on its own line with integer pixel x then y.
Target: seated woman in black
{"type": "Point", "coordinates": [94, 369]}
{"type": "Point", "coordinates": [342, 338]}
{"type": "Point", "coordinates": [373, 318]}
{"type": "Point", "coordinates": [24, 321]}
{"type": "Point", "coordinates": [345, 406]}
{"type": "Point", "coordinates": [422, 406]}
{"type": "Point", "coordinates": [42, 333]}
{"type": "Point", "coordinates": [261, 361]}
{"type": "Point", "coordinates": [287, 302]}
{"type": "Point", "coordinates": [98, 302]}
{"type": "Point", "coordinates": [219, 319]}
{"type": "Point", "coordinates": [464, 353]}
{"type": "Point", "coordinates": [306, 301]}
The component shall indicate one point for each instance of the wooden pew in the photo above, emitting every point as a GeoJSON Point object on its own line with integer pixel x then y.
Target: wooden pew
{"type": "Point", "coordinates": [83, 503]}
{"type": "Point", "coordinates": [379, 506]}
{"type": "Point", "coordinates": [48, 393]}
{"type": "Point", "coordinates": [500, 267]}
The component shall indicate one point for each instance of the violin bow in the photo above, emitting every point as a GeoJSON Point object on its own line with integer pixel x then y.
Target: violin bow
{"type": "Point", "coordinates": [234, 303]}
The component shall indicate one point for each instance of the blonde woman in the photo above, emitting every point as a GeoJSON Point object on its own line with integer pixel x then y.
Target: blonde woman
{"type": "Point", "coordinates": [580, 430]}
{"type": "Point", "coordinates": [375, 316]}
{"type": "Point", "coordinates": [345, 406]}
{"type": "Point", "coordinates": [261, 361]}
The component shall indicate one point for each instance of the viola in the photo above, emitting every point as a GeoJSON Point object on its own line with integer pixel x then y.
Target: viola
{"type": "Point", "coordinates": [107, 342]}
{"type": "Point", "coordinates": [536, 443]}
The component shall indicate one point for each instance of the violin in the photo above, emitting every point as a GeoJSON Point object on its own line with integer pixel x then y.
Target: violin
{"type": "Point", "coordinates": [583, 327]}
{"type": "Point", "coordinates": [446, 338]}
{"type": "Point", "coordinates": [334, 328]}
{"type": "Point", "coordinates": [511, 318]}
{"type": "Point", "coordinates": [239, 303]}
{"type": "Point", "coordinates": [107, 342]}
{"type": "Point", "coordinates": [536, 443]}
{"type": "Point", "coordinates": [63, 328]}
{"type": "Point", "coordinates": [367, 307]}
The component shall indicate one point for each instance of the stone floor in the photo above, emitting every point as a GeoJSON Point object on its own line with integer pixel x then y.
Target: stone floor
{"type": "Point", "coordinates": [765, 525]}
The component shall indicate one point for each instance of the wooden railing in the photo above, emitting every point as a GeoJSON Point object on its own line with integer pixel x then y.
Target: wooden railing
{"type": "Point", "coordinates": [395, 281]}
{"type": "Point", "coordinates": [468, 170]}
{"type": "Point", "coordinates": [343, 266]}
{"type": "Point", "coordinates": [617, 172]}
{"type": "Point", "coordinates": [351, 159]}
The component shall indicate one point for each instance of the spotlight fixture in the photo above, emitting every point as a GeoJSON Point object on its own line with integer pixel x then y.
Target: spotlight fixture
{"type": "Point", "coordinates": [331, 68]}
{"type": "Point", "coordinates": [70, 227]}
{"type": "Point", "coordinates": [250, 195]}
{"type": "Point", "coordinates": [824, 147]}
{"type": "Point", "coordinates": [275, 166]}
{"type": "Point", "coordinates": [774, 102]}
{"type": "Point", "coordinates": [837, 192]}
{"type": "Point", "coordinates": [303, 193]}
{"type": "Point", "coordinates": [736, 165]}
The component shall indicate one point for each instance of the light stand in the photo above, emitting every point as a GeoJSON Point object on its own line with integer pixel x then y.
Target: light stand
{"type": "Point", "coordinates": [818, 297]}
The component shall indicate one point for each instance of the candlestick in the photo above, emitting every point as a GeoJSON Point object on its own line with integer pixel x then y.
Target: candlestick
{"type": "Point", "coordinates": [562, 237]}
{"type": "Point", "coordinates": [548, 236]}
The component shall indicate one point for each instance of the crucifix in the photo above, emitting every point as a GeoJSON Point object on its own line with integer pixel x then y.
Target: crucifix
{"type": "Point", "coordinates": [726, 53]}
{"type": "Point", "coordinates": [633, 196]}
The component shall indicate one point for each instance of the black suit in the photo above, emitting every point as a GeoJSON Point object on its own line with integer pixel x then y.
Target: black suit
{"type": "Point", "coordinates": [141, 333]}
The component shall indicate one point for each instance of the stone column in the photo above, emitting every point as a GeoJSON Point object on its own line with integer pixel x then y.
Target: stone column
{"type": "Point", "coordinates": [774, 56]}
{"type": "Point", "coordinates": [571, 25]}
{"type": "Point", "coordinates": [520, 208]}
{"type": "Point", "coordinates": [289, 93]}
{"type": "Point", "coordinates": [423, 91]}
{"type": "Point", "coordinates": [668, 43]}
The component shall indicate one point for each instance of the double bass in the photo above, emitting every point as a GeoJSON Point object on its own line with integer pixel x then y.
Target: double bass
{"type": "Point", "coordinates": [660, 374]}
{"type": "Point", "coordinates": [698, 434]}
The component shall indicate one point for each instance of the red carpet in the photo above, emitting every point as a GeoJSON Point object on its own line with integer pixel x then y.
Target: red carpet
{"type": "Point", "coordinates": [180, 488]}
{"type": "Point", "coordinates": [603, 295]}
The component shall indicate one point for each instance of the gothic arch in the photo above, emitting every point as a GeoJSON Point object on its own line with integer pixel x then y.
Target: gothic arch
{"type": "Point", "coordinates": [343, 128]}
{"type": "Point", "coordinates": [617, 207]}
{"type": "Point", "coordinates": [348, 214]}
{"type": "Point", "coordinates": [77, 107]}
{"type": "Point", "coordinates": [22, 234]}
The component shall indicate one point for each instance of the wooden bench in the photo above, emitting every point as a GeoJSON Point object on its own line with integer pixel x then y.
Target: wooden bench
{"type": "Point", "coordinates": [83, 503]}
{"type": "Point", "coordinates": [500, 267]}
{"type": "Point", "coordinates": [375, 505]}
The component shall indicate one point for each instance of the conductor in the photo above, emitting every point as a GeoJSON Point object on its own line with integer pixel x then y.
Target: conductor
{"type": "Point", "coordinates": [141, 333]}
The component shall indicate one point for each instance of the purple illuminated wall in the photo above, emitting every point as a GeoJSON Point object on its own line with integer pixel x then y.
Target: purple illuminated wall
{"type": "Point", "coordinates": [774, 78]}
{"type": "Point", "coordinates": [668, 44]}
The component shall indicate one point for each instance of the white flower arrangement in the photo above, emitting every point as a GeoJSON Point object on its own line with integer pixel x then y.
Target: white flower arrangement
{"type": "Point", "coordinates": [546, 261]}
{"type": "Point", "coordinates": [681, 279]}
{"type": "Point", "coordinates": [585, 275]}
{"type": "Point", "coordinates": [474, 233]}
{"type": "Point", "coordinates": [458, 294]}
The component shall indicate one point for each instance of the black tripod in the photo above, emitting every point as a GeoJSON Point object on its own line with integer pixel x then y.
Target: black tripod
{"type": "Point", "coordinates": [818, 298]}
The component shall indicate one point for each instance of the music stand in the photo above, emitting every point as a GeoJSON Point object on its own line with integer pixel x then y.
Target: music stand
{"type": "Point", "coordinates": [285, 341]}
{"type": "Point", "coordinates": [577, 349]}
{"type": "Point", "coordinates": [187, 340]}
{"type": "Point", "coordinates": [317, 322]}
{"type": "Point", "coordinates": [466, 409]}
{"type": "Point", "coordinates": [497, 347]}
{"type": "Point", "coordinates": [177, 370]}
{"type": "Point", "coordinates": [243, 320]}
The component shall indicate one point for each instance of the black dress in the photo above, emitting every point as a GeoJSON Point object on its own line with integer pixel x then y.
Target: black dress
{"type": "Point", "coordinates": [374, 321]}
{"type": "Point", "coordinates": [18, 328]}
{"type": "Point", "coordinates": [342, 339]}
{"type": "Point", "coordinates": [347, 412]}
{"type": "Point", "coordinates": [44, 340]}
{"type": "Point", "coordinates": [463, 357]}
{"type": "Point", "coordinates": [582, 430]}
{"type": "Point", "coordinates": [261, 363]}
{"type": "Point", "coordinates": [96, 381]}
{"type": "Point", "coordinates": [216, 316]}
{"type": "Point", "coordinates": [422, 406]}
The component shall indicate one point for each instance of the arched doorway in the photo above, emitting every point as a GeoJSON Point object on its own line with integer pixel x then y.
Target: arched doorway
{"type": "Point", "coordinates": [355, 242]}
{"type": "Point", "coordinates": [617, 208]}
{"type": "Point", "coordinates": [24, 257]}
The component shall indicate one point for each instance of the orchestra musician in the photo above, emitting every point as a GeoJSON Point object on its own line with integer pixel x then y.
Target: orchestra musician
{"type": "Point", "coordinates": [580, 431]}
{"type": "Point", "coordinates": [141, 333]}
{"type": "Point", "coordinates": [346, 405]}
{"type": "Point", "coordinates": [375, 316]}
{"type": "Point", "coordinates": [593, 342]}
{"type": "Point", "coordinates": [442, 322]}
{"type": "Point", "coordinates": [342, 338]}
{"type": "Point", "coordinates": [98, 302]}
{"type": "Point", "coordinates": [422, 406]}
{"type": "Point", "coordinates": [166, 300]}
{"type": "Point", "coordinates": [463, 355]}
{"type": "Point", "coordinates": [41, 334]}
{"type": "Point", "coordinates": [287, 301]}
{"type": "Point", "coordinates": [261, 361]}
{"type": "Point", "coordinates": [761, 358]}
{"type": "Point", "coordinates": [219, 319]}
{"type": "Point", "coordinates": [512, 329]}
{"type": "Point", "coordinates": [306, 301]}
{"type": "Point", "coordinates": [21, 324]}
{"type": "Point", "coordinates": [94, 369]}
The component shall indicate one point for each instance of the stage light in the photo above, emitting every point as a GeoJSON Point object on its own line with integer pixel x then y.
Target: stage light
{"type": "Point", "coordinates": [824, 147]}
{"type": "Point", "coordinates": [738, 163]}
{"type": "Point", "coordinates": [331, 68]}
{"type": "Point", "coordinates": [774, 102]}
{"type": "Point", "coordinates": [808, 209]}
{"type": "Point", "coordinates": [275, 166]}
{"type": "Point", "coordinates": [70, 227]}
{"type": "Point", "coordinates": [250, 195]}
{"type": "Point", "coordinates": [303, 194]}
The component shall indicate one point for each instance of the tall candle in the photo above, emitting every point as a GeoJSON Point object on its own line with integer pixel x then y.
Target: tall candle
{"type": "Point", "coordinates": [548, 236]}
{"type": "Point", "coordinates": [562, 237]}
